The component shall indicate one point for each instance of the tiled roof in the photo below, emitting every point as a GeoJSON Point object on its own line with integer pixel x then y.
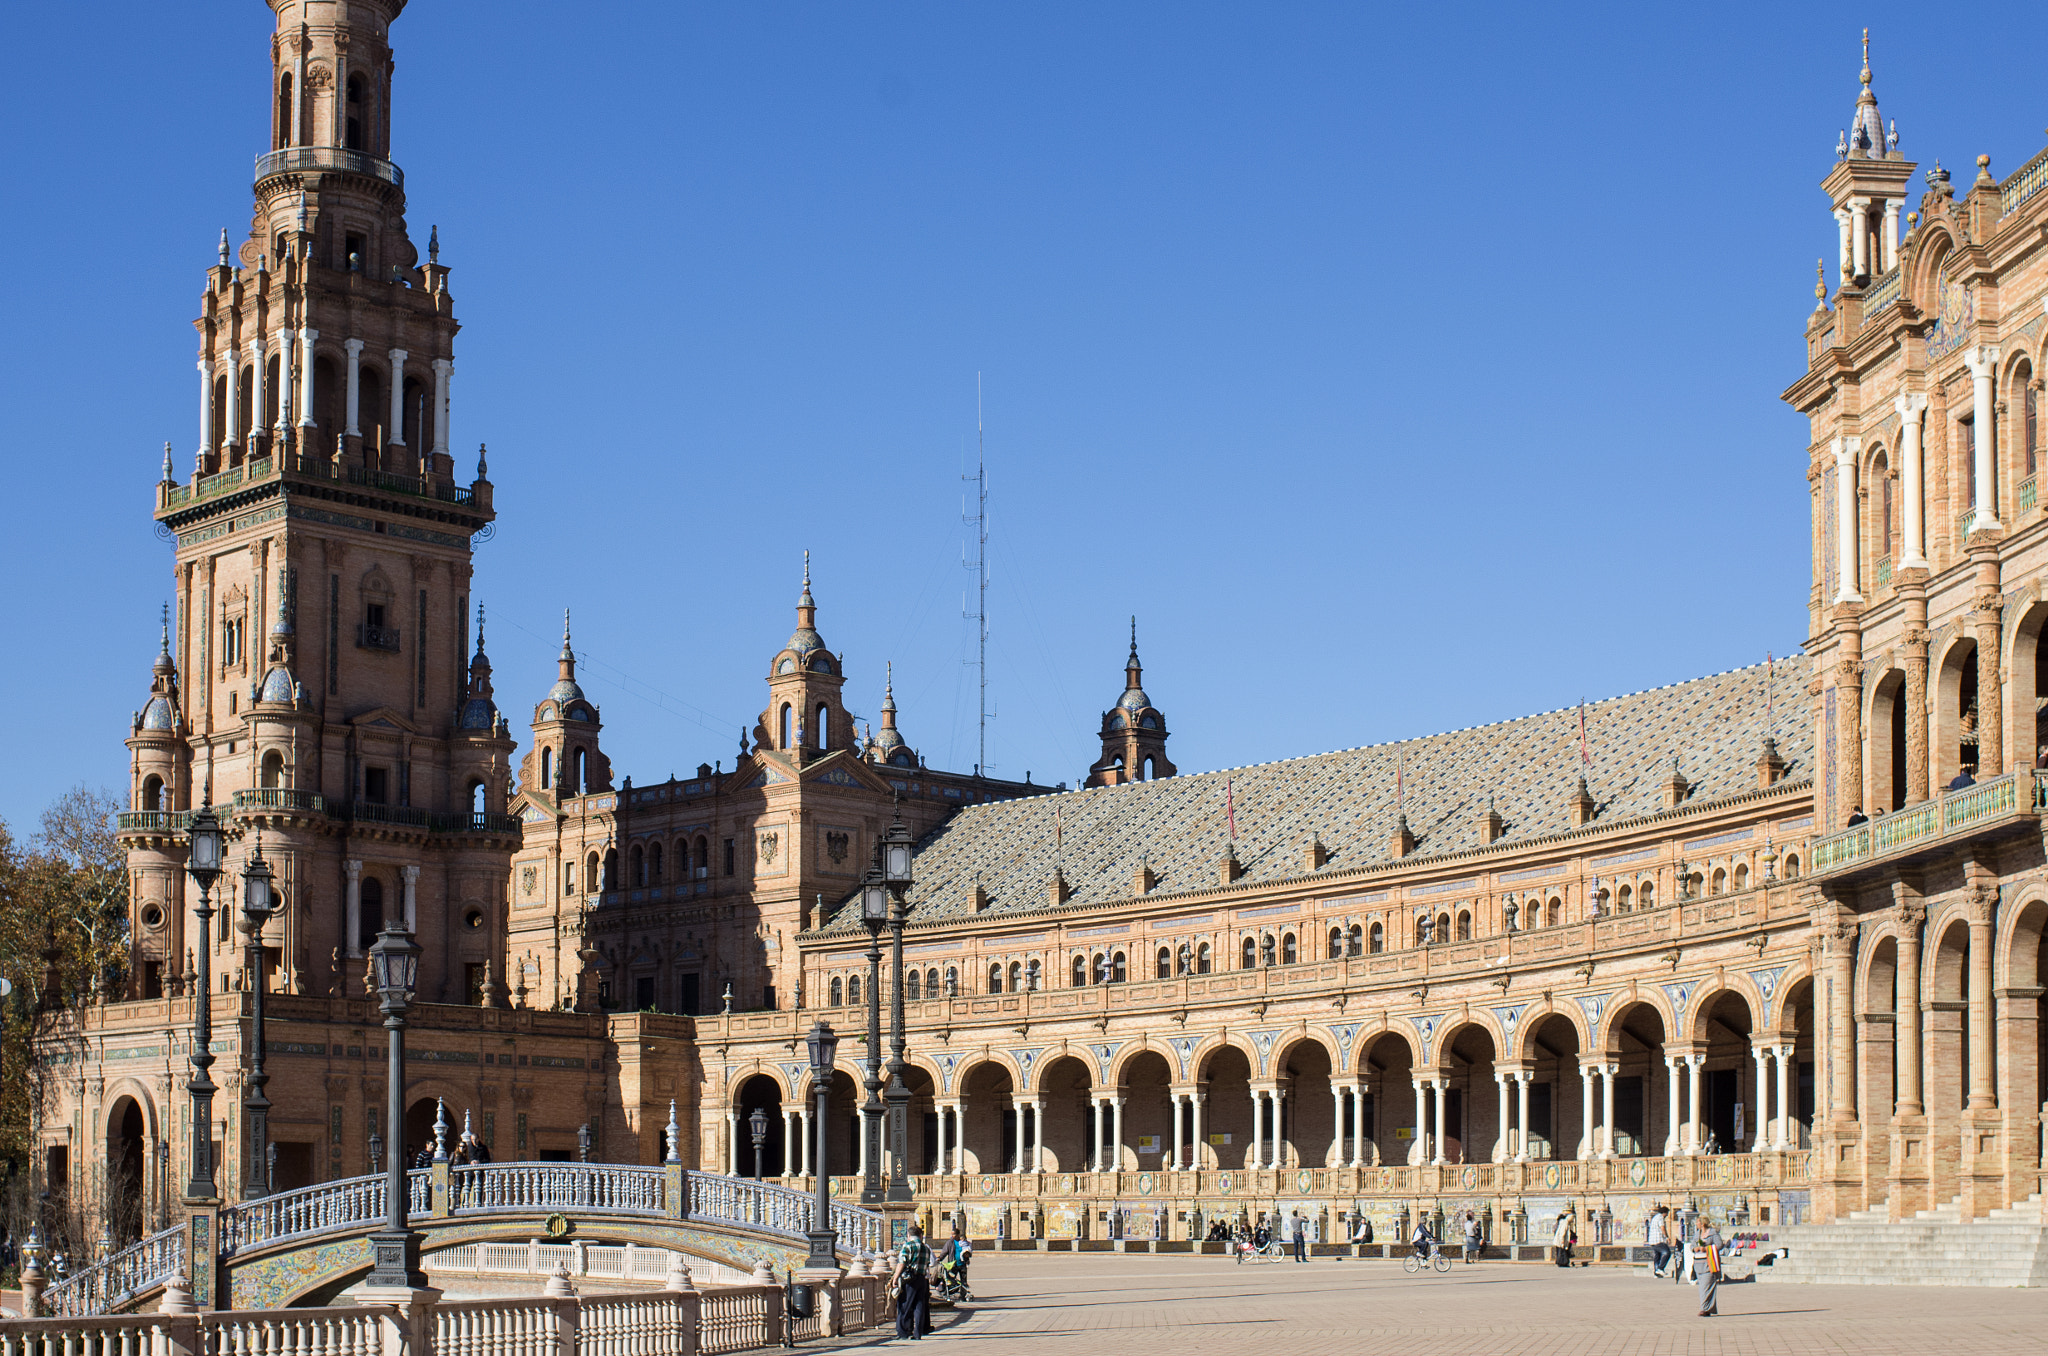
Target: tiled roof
{"type": "Point", "coordinates": [1530, 767]}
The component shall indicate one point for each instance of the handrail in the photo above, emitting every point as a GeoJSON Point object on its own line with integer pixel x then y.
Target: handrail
{"type": "Point", "coordinates": [1948, 813]}
{"type": "Point", "coordinates": [293, 158]}
{"type": "Point", "coordinates": [144, 821]}
{"type": "Point", "coordinates": [280, 798]}
{"type": "Point", "coordinates": [621, 1187]}
{"type": "Point", "coordinates": [133, 1269]}
{"type": "Point", "coordinates": [2023, 183]}
{"type": "Point", "coordinates": [325, 1208]}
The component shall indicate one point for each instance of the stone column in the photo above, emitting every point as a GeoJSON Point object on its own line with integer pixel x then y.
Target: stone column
{"type": "Point", "coordinates": [1257, 1158]}
{"type": "Point", "coordinates": [1116, 1143]}
{"type": "Point", "coordinates": [1859, 235]}
{"type": "Point", "coordinates": [443, 371]}
{"type": "Point", "coordinates": [1986, 620]}
{"type": "Point", "coordinates": [1761, 1055]}
{"type": "Point", "coordinates": [1983, 1064]}
{"type": "Point", "coordinates": [1696, 1135]}
{"type": "Point", "coordinates": [1279, 1128]}
{"type": "Point", "coordinates": [1891, 234]}
{"type": "Point", "coordinates": [1421, 1148]}
{"type": "Point", "coordinates": [1846, 552]}
{"type": "Point", "coordinates": [732, 1142]}
{"type": "Point", "coordinates": [354, 941]}
{"type": "Point", "coordinates": [789, 1142]}
{"type": "Point", "coordinates": [860, 1152]}
{"type": "Point", "coordinates": [1037, 1135]}
{"type": "Point", "coordinates": [286, 371]}
{"type": "Point", "coordinates": [354, 348]}
{"type": "Point", "coordinates": [1914, 655]}
{"type": "Point", "coordinates": [257, 379]}
{"type": "Point", "coordinates": [1906, 1011]}
{"type": "Point", "coordinates": [205, 408]}
{"type": "Point", "coordinates": [1983, 364]}
{"type": "Point", "coordinates": [1018, 1162]}
{"type": "Point", "coordinates": [1782, 1136]}
{"type": "Point", "coordinates": [1357, 1125]}
{"type": "Point", "coordinates": [1587, 1133]}
{"type": "Point", "coordinates": [1443, 1097]}
{"type": "Point", "coordinates": [306, 338]}
{"type": "Point", "coordinates": [1838, 944]}
{"type": "Point", "coordinates": [1337, 1124]}
{"type": "Point", "coordinates": [1607, 1075]}
{"type": "Point", "coordinates": [1844, 267]}
{"type": "Point", "coordinates": [1912, 410]}
{"type": "Point", "coordinates": [1672, 1140]}
{"type": "Point", "coordinates": [231, 436]}
{"type": "Point", "coordinates": [412, 912]}
{"type": "Point", "coordinates": [396, 433]}
{"type": "Point", "coordinates": [1201, 1100]}
{"type": "Point", "coordinates": [1523, 1077]}
{"type": "Point", "coordinates": [1500, 1139]}
{"type": "Point", "coordinates": [804, 1161]}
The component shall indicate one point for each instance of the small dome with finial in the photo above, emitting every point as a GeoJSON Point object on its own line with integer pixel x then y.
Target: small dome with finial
{"type": "Point", "coordinates": [479, 712]}
{"type": "Point", "coordinates": [161, 712]}
{"type": "Point", "coordinates": [565, 688]}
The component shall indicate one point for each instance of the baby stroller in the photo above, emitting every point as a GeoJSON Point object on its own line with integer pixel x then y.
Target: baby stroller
{"type": "Point", "coordinates": [951, 1282]}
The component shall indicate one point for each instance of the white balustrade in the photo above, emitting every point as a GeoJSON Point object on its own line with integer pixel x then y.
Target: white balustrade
{"type": "Point", "coordinates": [133, 1269]}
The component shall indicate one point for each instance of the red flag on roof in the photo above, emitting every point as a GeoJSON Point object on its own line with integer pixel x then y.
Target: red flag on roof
{"type": "Point", "coordinates": [1585, 759]}
{"type": "Point", "coordinates": [1229, 809]}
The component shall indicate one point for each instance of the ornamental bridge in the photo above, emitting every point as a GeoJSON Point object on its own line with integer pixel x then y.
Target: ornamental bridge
{"type": "Point", "coordinates": [304, 1247]}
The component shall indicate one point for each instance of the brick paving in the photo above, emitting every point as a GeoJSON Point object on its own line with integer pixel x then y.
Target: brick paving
{"type": "Point", "coordinates": [1136, 1305]}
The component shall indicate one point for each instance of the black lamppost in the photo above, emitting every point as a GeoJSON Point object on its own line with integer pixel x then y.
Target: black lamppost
{"type": "Point", "coordinates": [758, 1124]}
{"type": "Point", "coordinates": [874, 915]}
{"type": "Point", "coordinates": [203, 862]}
{"type": "Point", "coordinates": [896, 854]}
{"type": "Point", "coordinates": [395, 1249]}
{"type": "Point", "coordinates": [824, 1043]}
{"type": "Point", "coordinates": [257, 903]}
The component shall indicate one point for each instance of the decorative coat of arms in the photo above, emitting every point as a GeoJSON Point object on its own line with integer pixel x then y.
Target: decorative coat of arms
{"type": "Point", "coordinates": [771, 843]}
{"type": "Point", "coordinates": [836, 845]}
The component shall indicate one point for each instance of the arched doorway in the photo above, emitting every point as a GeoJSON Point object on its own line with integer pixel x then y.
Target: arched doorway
{"type": "Point", "coordinates": [988, 1121]}
{"type": "Point", "coordinates": [127, 1194]}
{"type": "Point", "coordinates": [1722, 1030]}
{"type": "Point", "coordinates": [1148, 1111]}
{"type": "Point", "coordinates": [1643, 1124]}
{"type": "Point", "coordinates": [1471, 1111]}
{"type": "Point", "coordinates": [1387, 1064]}
{"type": "Point", "coordinates": [1227, 1113]}
{"type": "Point", "coordinates": [1557, 1125]}
{"type": "Point", "coordinates": [760, 1093]}
{"type": "Point", "coordinates": [1064, 1087]}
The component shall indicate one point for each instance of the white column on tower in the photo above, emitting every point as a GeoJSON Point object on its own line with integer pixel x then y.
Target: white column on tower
{"type": "Point", "coordinates": [1201, 1100]}
{"type": "Point", "coordinates": [1846, 590]}
{"type": "Point", "coordinates": [395, 433]}
{"type": "Point", "coordinates": [258, 378]}
{"type": "Point", "coordinates": [1607, 1073]}
{"type": "Point", "coordinates": [1116, 1139]}
{"type": "Point", "coordinates": [1761, 1055]}
{"type": "Point", "coordinates": [1891, 234]}
{"type": "Point", "coordinates": [1337, 1124]}
{"type": "Point", "coordinates": [1843, 267]}
{"type": "Point", "coordinates": [732, 1142]}
{"type": "Point", "coordinates": [412, 912]}
{"type": "Point", "coordinates": [1279, 1128]}
{"type": "Point", "coordinates": [1695, 1135]}
{"type": "Point", "coordinates": [354, 867]}
{"type": "Point", "coordinates": [1522, 1078]}
{"type": "Point", "coordinates": [789, 1141]}
{"type": "Point", "coordinates": [205, 406]}
{"type": "Point", "coordinates": [1018, 1163]}
{"type": "Point", "coordinates": [804, 1161]}
{"type": "Point", "coordinates": [1782, 1136]}
{"type": "Point", "coordinates": [444, 371]}
{"type": "Point", "coordinates": [354, 348]}
{"type": "Point", "coordinates": [1443, 1097]}
{"type": "Point", "coordinates": [1037, 1135]}
{"type": "Point", "coordinates": [1500, 1139]}
{"type": "Point", "coordinates": [1357, 1094]}
{"type": "Point", "coordinates": [306, 338]}
{"type": "Point", "coordinates": [1588, 1132]}
{"type": "Point", "coordinates": [1983, 361]}
{"type": "Point", "coordinates": [1420, 1152]}
{"type": "Point", "coordinates": [1671, 1121]}
{"type": "Point", "coordinates": [286, 371]}
{"type": "Point", "coordinates": [1912, 410]}
{"type": "Point", "coordinates": [231, 435]}
{"type": "Point", "coordinates": [1258, 1154]}
{"type": "Point", "coordinates": [1173, 1102]}
{"type": "Point", "coordinates": [1859, 235]}
{"type": "Point", "coordinates": [1095, 1134]}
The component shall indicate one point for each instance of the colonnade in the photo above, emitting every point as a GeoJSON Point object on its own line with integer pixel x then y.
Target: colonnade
{"type": "Point", "coordinates": [296, 393]}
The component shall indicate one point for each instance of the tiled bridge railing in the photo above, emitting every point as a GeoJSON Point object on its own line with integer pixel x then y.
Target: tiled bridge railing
{"type": "Point", "coordinates": [592, 1192]}
{"type": "Point", "coordinates": [2014, 796]}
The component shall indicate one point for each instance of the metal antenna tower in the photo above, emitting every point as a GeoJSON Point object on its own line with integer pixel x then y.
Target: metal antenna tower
{"type": "Point", "coordinates": [977, 522]}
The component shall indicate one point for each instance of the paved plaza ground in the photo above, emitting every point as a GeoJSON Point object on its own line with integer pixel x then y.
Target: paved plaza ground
{"type": "Point", "coordinates": [1135, 1305]}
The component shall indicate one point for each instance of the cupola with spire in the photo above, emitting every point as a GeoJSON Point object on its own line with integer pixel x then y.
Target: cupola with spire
{"type": "Point", "coordinates": [1867, 188]}
{"type": "Point", "coordinates": [805, 714]}
{"type": "Point", "coordinates": [479, 710]}
{"type": "Point", "coordinates": [1133, 732]}
{"type": "Point", "coordinates": [566, 759]}
{"type": "Point", "coordinates": [889, 746]}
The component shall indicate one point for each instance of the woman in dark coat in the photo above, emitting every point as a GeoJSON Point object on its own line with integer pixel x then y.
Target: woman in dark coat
{"type": "Point", "coordinates": [913, 1283]}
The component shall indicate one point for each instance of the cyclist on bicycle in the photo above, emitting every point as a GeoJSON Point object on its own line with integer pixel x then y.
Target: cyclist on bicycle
{"type": "Point", "coordinates": [1423, 1241]}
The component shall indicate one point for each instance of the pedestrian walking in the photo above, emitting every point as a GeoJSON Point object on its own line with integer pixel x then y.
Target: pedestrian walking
{"type": "Point", "coordinates": [1299, 1226]}
{"type": "Point", "coordinates": [1656, 1234]}
{"type": "Point", "coordinates": [1706, 1265]}
{"type": "Point", "coordinates": [1472, 1238]}
{"type": "Point", "coordinates": [912, 1284]}
{"type": "Point", "coordinates": [1563, 1239]}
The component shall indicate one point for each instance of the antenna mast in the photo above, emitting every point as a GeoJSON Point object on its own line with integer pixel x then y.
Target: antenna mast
{"type": "Point", "coordinates": [978, 523]}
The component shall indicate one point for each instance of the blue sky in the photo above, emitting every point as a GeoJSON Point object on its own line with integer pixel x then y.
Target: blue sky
{"type": "Point", "coordinates": [1402, 368]}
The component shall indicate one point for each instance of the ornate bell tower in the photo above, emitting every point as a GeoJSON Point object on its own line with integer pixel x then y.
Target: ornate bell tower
{"type": "Point", "coordinates": [323, 563]}
{"type": "Point", "coordinates": [1133, 732]}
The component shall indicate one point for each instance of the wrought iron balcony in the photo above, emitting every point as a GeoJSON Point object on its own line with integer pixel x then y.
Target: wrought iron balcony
{"type": "Point", "coordinates": [153, 821]}
{"type": "Point", "coordinates": [281, 799]}
{"type": "Point", "coordinates": [301, 158]}
{"type": "Point", "coordinates": [377, 638]}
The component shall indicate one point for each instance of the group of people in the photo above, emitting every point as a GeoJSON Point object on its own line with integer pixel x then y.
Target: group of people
{"type": "Point", "coordinates": [911, 1281]}
{"type": "Point", "coordinates": [1424, 1239]}
{"type": "Point", "coordinates": [468, 1149]}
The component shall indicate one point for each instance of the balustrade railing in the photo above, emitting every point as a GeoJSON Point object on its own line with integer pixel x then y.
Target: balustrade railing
{"type": "Point", "coordinates": [2029, 494]}
{"type": "Point", "coordinates": [105, 1285]}
{"type": "Point", "coordinates": [617, 1187]}
{"type": "Point", "coordinates": [2023, 183]}
{"type": "Point", "coordinates": [298, 159]}
{"type": "Point", "coordinates": [729, 1317]}
{"type": "Point", "coordinates": [1881, 293]}
{"type": "Point", "coordinates": [153, 821]}
{"type": "Point", "coordinates": [353, 1202]}
{"type": "Point", "coordinates": [281, 798]}
{"type": "Point", "coordinates": [1952, 812]}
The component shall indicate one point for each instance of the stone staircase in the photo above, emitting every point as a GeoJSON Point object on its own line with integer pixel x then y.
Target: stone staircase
{"type": "Point", "coordinates": [2008, 1247]}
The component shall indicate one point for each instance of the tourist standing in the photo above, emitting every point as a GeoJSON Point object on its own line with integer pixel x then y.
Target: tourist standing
{"type": "Point", "coordinates": [1706, 1265]}
{"type": "Point", "coordinates": [1472, 1239]}
{"type": "Point", "coordinates": [1655, 1234]}
{"type": "Point", "coordinates": [1563, 1239]}
{"type": "Point", "coordinates": [1300, 1227]}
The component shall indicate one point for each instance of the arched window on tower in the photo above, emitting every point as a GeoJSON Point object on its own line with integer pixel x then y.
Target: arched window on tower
{"type": "Point", "coordinates": [931, 983]}
{"type": "Point", "coordinates": [153, 793]}
{"type": "Point", "coordinates": [838, 992]}
{"type": "Point", "coordinates": [822, 733]}
{"type": "Point", "coordinates": [1117, 973]}
{"type": "Point", "coordinates": [1016, 977]}
{"type": "Point", "coordinates": [995, 978]}
{"type": "Point", "coordinates": [1742, 875]}
{"type": "Point", "coordinates": [1719, 881]}
{"type": "Point", "coordinates": [1464, 925]}
{"type": "Point", "coordinates": [1443, 927]}
{"type": "Point", "coordinates": [476, 797]}
{"type": "Point", "coordinates": [785, 725]}
{"type": "Point", "coordinates": [590, 872]}
{"type": "Point", "coordinates": [1336, 943]}
{"type": "Point", "coordinates": [1791, 866]}
{"type": "Point", "coordinates": [654, 864]}
{"type": "Point", "coordinates": [1556, 914]}
{"type": "Point", "coordinates": [357, 114]}
{"type": "Point", "coordinates": [1289, 952]}
{"type": "Point", "coordinates": [1202, 959]}
{"type": "Point", "coordinates": [1079, 978]}
{"type": "Point", "coordinates": [282, 135]}
{"type": "Point", "coordinates": [913, 985]}
{"type": "Point", "coordinates": [853, 989]}
{"type": "Point", "coordinates": [1646, 896]}
{"type": "Point", "coordinates": [1163, 963]}
{"type": "Point", "coordinates": [580, 783]}
{"type": "Point", "coordinates": [1251, 955]}
{"type": "Point", "coordinates": [1624, 899]}
{"type": "Point", "coordinates": [1376, 940]}
{"type": "Point", "coordinates": [273, 769]}
{"type": "Point", "coordinates": [2030, 418]}
{"type": "Point", "coordinates": [638, 859]}
{"type": "Point", "coordinates": [702, 858]}
{"type": "Point", "coordinates": [611, 869]}
{"type": "Point", "coordinates": [1145, 770]}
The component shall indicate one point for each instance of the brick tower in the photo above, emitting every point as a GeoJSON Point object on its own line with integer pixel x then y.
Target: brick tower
{"type": "Point", "coordinates": [324, 691]}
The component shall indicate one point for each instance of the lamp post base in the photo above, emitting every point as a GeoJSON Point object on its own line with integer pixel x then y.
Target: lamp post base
{"type": "Point", "coordinates": [395, 1264]}
{"type": "Point", "coordinates": [824, 1256]}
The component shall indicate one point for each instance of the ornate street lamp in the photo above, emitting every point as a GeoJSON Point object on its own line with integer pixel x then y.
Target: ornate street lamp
{"type": "Point", "coordinates": [824, 1044]}
{"type": "Point", "coordinates": [203, 862]}
{"type": "Point", "coordinates": [258, 900]}
{"type": "Point", "coordinates": [394, 968]}
{"type": "Point", "coordinates": [874, 916]}
{"type": "Point", "coordinates": [896, 855]}
{"type": "Point", "coordinates": [758, 1124]}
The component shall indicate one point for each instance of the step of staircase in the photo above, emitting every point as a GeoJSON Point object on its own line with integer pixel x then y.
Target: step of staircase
{"type": "Point", "coordinates": [1938, 1246]}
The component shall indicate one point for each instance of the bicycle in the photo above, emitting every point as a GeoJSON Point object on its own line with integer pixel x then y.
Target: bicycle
{"type": "Point", "coordinates": [1412, 1264]}
{"type": "Point", "coordinates": [1272, 1249]}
